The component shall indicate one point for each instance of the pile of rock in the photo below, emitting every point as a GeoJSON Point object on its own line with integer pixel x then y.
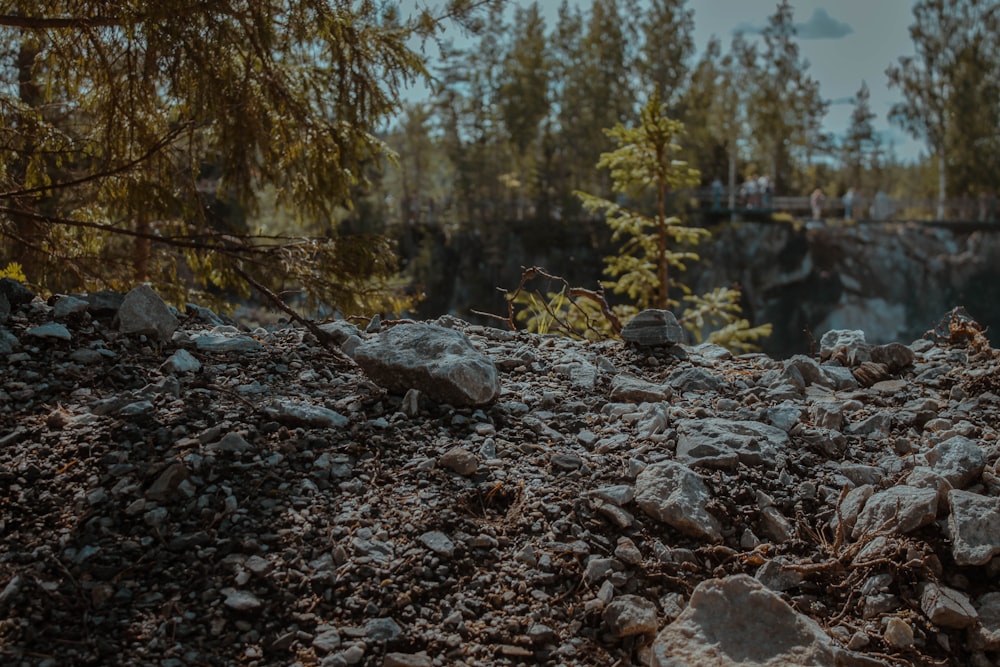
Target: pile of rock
{"type": "Point", "coordinates": [178, 490]}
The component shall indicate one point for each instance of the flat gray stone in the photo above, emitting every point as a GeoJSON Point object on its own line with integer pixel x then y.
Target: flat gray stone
{"type": "Point", "coordinates": [181, 361]}
{"type": "Point", "coordinates": [441, 363]}
{"type": "Point", "coordinates": [304, 414]}
{"type": "Point", "coordinates": [720, 443]}
{"type": "Point", "coordinates": [67, 306]}
{"type": "Point", "coordinates": [738, 621]}
{"type": "Point", "coordinates": [900, 509]}
{"type": "Point", "coordinates": [627, 388]}
{"type": "Point", "coordinates": [50, 330]}
{"type": "Point", "coordinates": [224, 343]}
{"type": "Point", "coordinates": [672, 493]}
{"type": "Point", "coordinates": [439, 543]}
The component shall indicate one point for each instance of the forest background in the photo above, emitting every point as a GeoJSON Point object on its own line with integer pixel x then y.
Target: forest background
{"type": "Point", "coordinates": [217, 149]}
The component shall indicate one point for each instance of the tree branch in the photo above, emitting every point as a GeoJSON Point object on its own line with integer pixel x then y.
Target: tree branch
{"type": "Point", "coordinates": [153, 150]}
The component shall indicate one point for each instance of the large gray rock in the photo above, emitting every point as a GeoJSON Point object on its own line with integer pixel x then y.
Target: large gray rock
{"type": "Point", "coordinates": [946, 607]}
{"type": "Point", "coordinates": [899, 509]}
{"type": "Point", "coordinates": [738, 621]}
{"type": "Point", "coordinates": [720, 443]}
{"type": "Point", "coordinates": [986, 635]}
{"type": "Point", "coordinates": [441, 363]}
{"type": "Point", "coordinates": [958, 459]}
{"type": "Point", "coordinates": [846, 345]}
{"type": "Point", "coordinates": [653, 328]}
{"type": "Point", "coordinates": [974, 527]}
{"type": "Point", "coordinates": [677, 496]}
{"type": "Point", "coordinates": [144, 312]}
{"type": "Point", "coordinates": [627, 388]}
{"type": "Point", "coordinates": [630, 615]}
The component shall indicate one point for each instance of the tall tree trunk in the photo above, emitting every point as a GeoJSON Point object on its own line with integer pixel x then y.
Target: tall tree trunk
{"type": "Point", "coordinates": [942, 185]}
{"type": "Point", "coordinates": [27, 230]}
{"type": "Point", "coordinates": [663, 298]}
{"type": "Point", "coordinates": [732, 175]}
{"type": "Point", "coordinates": [142, 251]}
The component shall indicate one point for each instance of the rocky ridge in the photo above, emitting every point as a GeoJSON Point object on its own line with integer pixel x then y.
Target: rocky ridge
{"type": "Point", "coordinates": [177, 490]}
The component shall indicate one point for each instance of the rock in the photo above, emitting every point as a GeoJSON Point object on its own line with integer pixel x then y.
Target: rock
{"type": "Point", "coordinates": [439, 543]}
{"type": "Point", "coordinates": [653, 328]}
{"type": "Point", "coordinates": [720, 443]}
{"type": "Point", "coordinates": [232, 443]}
{"type": "Point", "coordinates": [168, 481]}
{"type": "Point", "coordinates": [241, 600]}
{"type": "Point", "coordinates": [459, 460]}
{"type": "Point", "coordinates": [894, 356]}
{"type": "Point", "coordinates": [957, 459]}
{"type": "Point", "coordinates": [304, 414]}
{"type": "Point", "coordinates": [847, 346]}
{"type": "Point", "coordinates": [8, 342]}
{"type": "Point", "coordinates": [67, 306]}
{"type": "Point", "coordinates": [440, 362]}
{"type": "Point", "coordinates": [899, 509]}
{"type": "Point", "coordinates": [50, 330]}
{"type": "Point", "coordinates": [974, 527]}
{"type": "Point", "coordinates": [229, 341]}
{"type": "Point", "coordinates": [630, 615]}
{"type": "Point", "coordinates": [627, 388]}
{"type": "Point", "coordinates": [737, 621]}
{"type": "Point", "coordinates": [15, 293]}
{"type": "Point", "coordinates": [898, 633]}
{"type": "Point", "coordinates": [143, 312]}
{"type": "Point", "coordinates": [946, 607]}
{"type": "Point", "coordinates": [673, 494]}
{"type": "Point", "coordinates": [181, 361]}
{"type": "Point", "coordinates": [104, 302]}
{"type": "Point", "coordinates": [295, 512]}
{"type": "Point", "coordinates": [986, 635]}
{"type": "Point", "coordinates": [407, 660]}
{"type": "Point", "coordinates": [695, 380]}
{"type": "Point", "coordinates": [327, 640]}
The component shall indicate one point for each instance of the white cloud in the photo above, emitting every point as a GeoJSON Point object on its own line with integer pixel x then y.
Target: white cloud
{"type": "Point", "coordinates": [822, 26]}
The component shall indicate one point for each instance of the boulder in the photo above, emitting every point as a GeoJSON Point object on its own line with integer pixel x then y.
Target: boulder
{"type": "Point", "coordinates": [677, 496]}
{"type": "Point", "coordinates": [738, 621]}
{"type": "Point", "coordinates": [653, 328]}
{"type": "Point", "coordinates": [144, 312]}
{"type": "Point", "coordinates": [441, 363]}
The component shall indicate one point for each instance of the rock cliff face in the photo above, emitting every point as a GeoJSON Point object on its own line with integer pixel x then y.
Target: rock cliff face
{"type": "Point", "coordinates": [201, 494]}
{"type": "Point", "coordinates": [892, 280]}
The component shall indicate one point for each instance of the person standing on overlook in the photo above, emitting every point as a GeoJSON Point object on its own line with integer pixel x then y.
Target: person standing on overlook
{"type": "Point", "coordinates": [849, 199]}
{"type": "Point", "coordinates": [816, 201]}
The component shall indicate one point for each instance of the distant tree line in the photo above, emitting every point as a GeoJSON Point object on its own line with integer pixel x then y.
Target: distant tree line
{"type": "Point", "coordinates": [517, 118]}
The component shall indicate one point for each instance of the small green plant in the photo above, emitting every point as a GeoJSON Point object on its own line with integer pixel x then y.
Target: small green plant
{"type": "Point", "coordinates": [653, 247]}
{"type": "Point", "coordinates": [13, 270]}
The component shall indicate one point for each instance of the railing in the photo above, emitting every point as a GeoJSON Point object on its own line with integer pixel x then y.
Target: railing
{"type": "Point", "coordinates": [983, 209]}
{"type": "Point", "coordinates": [715, 206]}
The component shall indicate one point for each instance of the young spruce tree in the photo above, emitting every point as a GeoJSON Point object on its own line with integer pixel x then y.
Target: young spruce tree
{"type": "Point", "coordinates": [654, 246]}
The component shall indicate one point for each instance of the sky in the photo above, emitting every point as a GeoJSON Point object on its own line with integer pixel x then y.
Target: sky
{"type": "Point", "coordinates": [846, 42]}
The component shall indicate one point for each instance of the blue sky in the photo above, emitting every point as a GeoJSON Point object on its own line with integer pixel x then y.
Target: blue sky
{"type": "Point", "coordinates": [845, 41]}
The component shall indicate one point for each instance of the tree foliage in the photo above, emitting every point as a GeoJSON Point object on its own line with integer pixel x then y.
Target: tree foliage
{"type": "Point", "coordinates": [653, 244]}
{"type": "Point", "coordinates": [138, 125]}
{"type": "Point", "coordinates": [950, 88]}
